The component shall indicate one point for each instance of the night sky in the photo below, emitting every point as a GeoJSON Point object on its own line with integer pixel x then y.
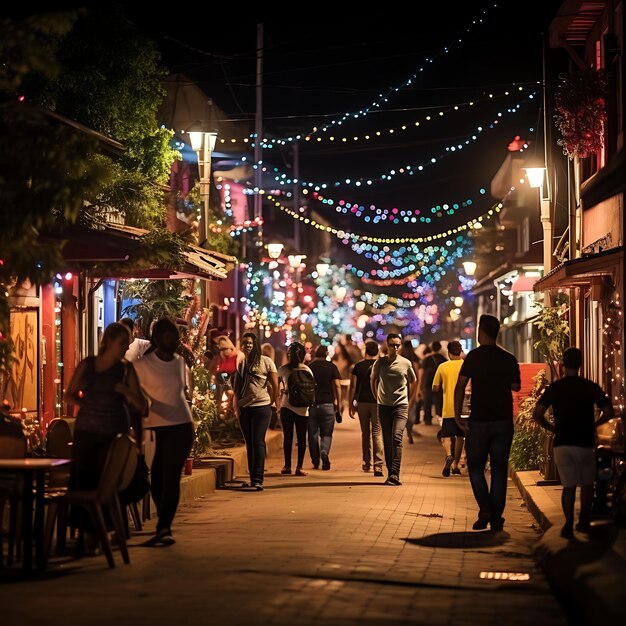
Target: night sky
{"type": "Point", "coordinates": [318, 66]}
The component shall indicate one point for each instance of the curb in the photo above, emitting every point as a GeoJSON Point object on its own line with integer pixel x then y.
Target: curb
{"type": "Point", "coordinates": [588, 576]}
{"type": "Point", "coordinates": [218, 470]}
{"type": "Point", "coordinates": [543, 509]}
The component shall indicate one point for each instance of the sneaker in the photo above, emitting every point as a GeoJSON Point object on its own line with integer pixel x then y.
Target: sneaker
{"type": "Point", "coordinates": [163, 537]}
{"type": "Point", "coordinates": [393, 480]}
{"type": "Point", "coordinates": [567, 531]}
{"type": "Point", "coordinates": [300, 471]}
{"type": "Point", "coordinates": [378, 473]}
{"type": "Point", "coordinates": [456, 471]}
{"type": "Point", "coordinates": [480, 524]}
{"type": "Point", "coordinates": [446, 468]}
{"type": "Point", "coordinates": [285, 470]}
{"type": "Point", "coordinates": [325, 461]}
{"type": "Point", "coordinates": [257, 486]}
{"type": "Point", "coordinates": [365, 467]}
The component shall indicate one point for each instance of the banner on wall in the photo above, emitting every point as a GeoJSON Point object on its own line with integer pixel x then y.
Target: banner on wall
{"type": "Point", "coordinates": [22, 392]}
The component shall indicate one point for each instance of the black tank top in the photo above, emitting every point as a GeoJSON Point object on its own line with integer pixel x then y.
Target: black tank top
{"type": "Point", "coordinates": [102, 409]}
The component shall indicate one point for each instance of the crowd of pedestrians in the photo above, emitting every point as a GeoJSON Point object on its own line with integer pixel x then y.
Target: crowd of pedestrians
{"type": "Point", "coordinates": [134, 384]}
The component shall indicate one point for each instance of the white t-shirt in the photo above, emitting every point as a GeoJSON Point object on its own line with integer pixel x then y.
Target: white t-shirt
{"type": "Point", "coordinates": [164, 384]}
{"type": "Point", "coordinates": [136, 350]}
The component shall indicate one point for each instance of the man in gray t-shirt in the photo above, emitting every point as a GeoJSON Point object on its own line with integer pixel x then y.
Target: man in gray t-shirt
{"type": "Point", "coordinates": [393, 381]}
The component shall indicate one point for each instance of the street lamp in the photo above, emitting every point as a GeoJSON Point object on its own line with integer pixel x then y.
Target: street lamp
{"type": "Point", "coordinates": [274, 249]}
{"type": "Point", "coordinates": [322, 269]}
{"type": "Point", "coordinates": [295, 260]}
{"type": "Point", "coordinates": [203, 144]}
{"type": "Point", "coordinates": [535, 176]}
{"type": "Point", "coordinates": [535, 180]}
{"type": "Point", "coordinates": [469, 267]}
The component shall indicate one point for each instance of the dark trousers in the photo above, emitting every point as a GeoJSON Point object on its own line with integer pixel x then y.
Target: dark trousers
{"type": "Point", "coordinates": [431, 398]}
{"type": "Point", "coordinates": [289, 420]}
{"type": "Point", "coordinates": [254, 422]}
{"type": "Point", "coordinates": [393, 421]}
{"type": "Point", "coordinates": [173, 444]}
{"type": "Point", "coordinates": [489, 440]}
{"type": "Point", "coordinates": [89, 452]}
{"type": "Point", "coordinates": [321, 425]}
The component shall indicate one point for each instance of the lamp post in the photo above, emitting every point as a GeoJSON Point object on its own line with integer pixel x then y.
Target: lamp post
{"type": "Point", "coordinates": [535, 176]}
{"type": "Point", "coordinates": [203, 144]}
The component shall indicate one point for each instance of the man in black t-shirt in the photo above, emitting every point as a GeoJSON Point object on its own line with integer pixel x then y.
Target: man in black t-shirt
{"type": "Point", "coordinates": [573, 399]}
{"type": "Point", "coordinates": [322, 414]}
{"type": "Point", "coordinates": [494, 373]}
{"type": "Point", "coordinates": [361, 392]}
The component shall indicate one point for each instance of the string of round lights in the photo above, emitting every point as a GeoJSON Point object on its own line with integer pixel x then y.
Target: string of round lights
{"type": "Point", "coordinates": [386, 131]}
{"type": "Point", "coordinates": [283, 179]}
{"type": "Point", "coordinates": [347, 236]}
{"type": "Point", "coordinates": [373, 214]}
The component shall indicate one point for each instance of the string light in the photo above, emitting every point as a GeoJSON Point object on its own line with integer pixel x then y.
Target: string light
{"type": "Point", "coordinates": [347, 236]}
{"type": "Point", "coordinates": [384, 132]}
{"type": "Point", "coordinates": [373, 214]}
{"type": "Point", "coordinates": [411, 169]}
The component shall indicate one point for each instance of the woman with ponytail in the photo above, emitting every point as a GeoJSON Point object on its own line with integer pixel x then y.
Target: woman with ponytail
{"type": "Point", "coordinates": [296, 380]}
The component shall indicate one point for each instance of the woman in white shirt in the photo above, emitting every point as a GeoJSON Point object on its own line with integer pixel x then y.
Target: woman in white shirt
{"type": "Point", "coordinates": [162, 376]}
{"type": "Point", "coordinates": [256, 388]}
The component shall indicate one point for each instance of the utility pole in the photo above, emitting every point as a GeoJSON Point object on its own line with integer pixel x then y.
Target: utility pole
{"type": "Point", "coordinates": [258, 132]}
{"type": "Point", "coordinates": [296, 196]}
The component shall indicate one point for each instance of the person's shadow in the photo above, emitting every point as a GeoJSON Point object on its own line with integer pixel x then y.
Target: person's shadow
{"type": "Point", "coordinates": [461, 540]}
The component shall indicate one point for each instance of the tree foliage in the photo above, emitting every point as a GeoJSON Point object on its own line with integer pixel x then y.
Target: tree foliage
{"type": "Point", "coordinates": [45, 171]}
{"type": "Point", "coordinates": [553, 333]}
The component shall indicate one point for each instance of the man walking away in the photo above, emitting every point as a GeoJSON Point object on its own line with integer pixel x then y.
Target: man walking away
{"type": "Point", "coordinates": [322, 414]}
{"type": "Point", "coordinates": [393, 380]}
{"type": "Point", "coordinates": [494, 373]}
{"type": "Point", "coordinates": [430, 397]}
{"type": "Point", "coordinates": [572, 399]}
{"type": "Point", "coordinates": [361, 391]}
{"type": "Point", "coordinates": [446, 377]}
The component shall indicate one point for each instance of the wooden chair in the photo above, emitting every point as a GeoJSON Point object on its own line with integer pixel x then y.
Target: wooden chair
{"type": "Point", "coordinates": [59, 438]}
{"type": "Point", "coordinates": [12, 446]}
{"type": "Point", "coordinates": [103, 498]}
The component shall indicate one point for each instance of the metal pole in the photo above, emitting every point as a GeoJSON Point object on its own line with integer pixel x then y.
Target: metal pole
{"type": "Point", "coordinates": [258, 130]}
{"type": "Point", "coordinates": [296, 195]}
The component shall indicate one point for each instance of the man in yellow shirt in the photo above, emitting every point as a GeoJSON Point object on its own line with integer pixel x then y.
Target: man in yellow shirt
{"type": "Point", "coordinates": [452, 437]}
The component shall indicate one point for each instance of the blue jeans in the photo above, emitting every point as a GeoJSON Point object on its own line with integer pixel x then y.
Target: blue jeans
{"type": "Point", "coordinates": [393, 421]}
{"type": "Point", "coordinates": [489, 440]}
{"type": "Point", "coordinates": [255, 421]}
{"type": "Point", "coordinates": [321, 425]}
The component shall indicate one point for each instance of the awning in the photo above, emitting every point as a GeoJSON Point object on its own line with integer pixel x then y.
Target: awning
{"type": "Point", "coordinates": [523, 283]}
{"type": "Point", "coordinates": [96, 250]}
{"type": "Point", "coordinates": [582, 271]}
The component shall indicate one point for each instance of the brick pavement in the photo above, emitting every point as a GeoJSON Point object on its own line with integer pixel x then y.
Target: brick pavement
{"type": "Point", "coordinates": [335, 547]}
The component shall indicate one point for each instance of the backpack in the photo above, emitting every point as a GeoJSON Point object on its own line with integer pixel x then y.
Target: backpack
{"type": "Point", "coordinates": [301, 388]}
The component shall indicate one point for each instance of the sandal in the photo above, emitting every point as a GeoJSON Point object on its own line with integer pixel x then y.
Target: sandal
{"type": "Point", "coordinates": [285, 470]}
{"type": "Point", "coordinates": [300, 472]}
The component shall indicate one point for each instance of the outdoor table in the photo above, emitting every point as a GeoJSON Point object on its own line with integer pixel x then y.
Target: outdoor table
{"type": "Point", "coordinates": [32, 468]}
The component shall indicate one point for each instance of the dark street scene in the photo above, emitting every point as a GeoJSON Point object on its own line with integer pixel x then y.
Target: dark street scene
{"type": "Point", "coordinates": [312, 314]}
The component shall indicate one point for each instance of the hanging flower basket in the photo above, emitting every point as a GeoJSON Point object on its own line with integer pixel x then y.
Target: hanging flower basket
{"type": "Point", "coordinates": [581, 112]}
